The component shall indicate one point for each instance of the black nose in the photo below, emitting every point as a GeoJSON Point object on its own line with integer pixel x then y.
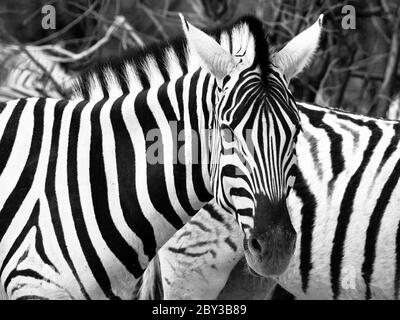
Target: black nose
{"type": "Point", "coordinates": [274, 241]}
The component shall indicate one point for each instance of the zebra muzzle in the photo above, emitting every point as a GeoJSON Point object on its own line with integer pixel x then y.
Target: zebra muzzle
{"type": "Point", "coordinates": [270, 252]}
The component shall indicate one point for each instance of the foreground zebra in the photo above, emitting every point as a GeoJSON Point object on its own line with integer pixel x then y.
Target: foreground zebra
{"type": "Point", "coordinates": [346, 217]}
{"type": "Point", "coordinates": [344, 207]}
{"type": "Point", "coordinates": [82, 211]}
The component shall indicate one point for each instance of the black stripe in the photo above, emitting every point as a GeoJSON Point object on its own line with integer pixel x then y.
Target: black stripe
{"type": "Point", "coordinates": [204, 101]}
{"type": "Point", "coordinates": [180, 168]}
{"type": "Point", "coordinates": [51, 193]}
{"type": "Point", "coordinates": [32, 222]}
{"type": "Point", "coordinates": [308, 212]}
{"type": "Point", "coordinates": [215, 214]}
{"type": "Point", "coordinates": [40, 249]}
{"type": "Point", "coordinates": [103, 83]}
{"type": "Point", "coordinates": [125, 157]}
{"type": "Point", "coordinates": [99, 187]}
{"type": "Point", "coordinates": [184, 251]}
{"type": "Point", "coordinates": [159, 56]}
{"type": "Point", "coordinates": [336, 145]}
{"type": "Point", "coordinates": [123, 81]}
{"type": "Point", "coordinates": [144, 80]}
{"type": "Point", "coordinates": [2, 106]}
{"type": "Point", "coordinates": [29, 273]}
{"type": "Point", "coordinates": [93, 260]}
{"type": "Point", "coordinates": [179, 46]}
{"type": "Point", "coordinates": [156, 182]}
{"type": "Point", "coordinates": [26, 178]}
{"type": "Point", "coordinates": [197, 176]}
{"type": "Point", "coordinates": [346, 207]}
{"type": "Point", "coordinates": [241, 192]}
{"type": "Point", "coordinates": [231, 244]}
{"type": "Point", "coordinates": [31, 297]}
{"type": "Point", "coordinates": [9, 134]}
{"type": "Point", "coordinates": [186, 23]}
{"type": "Point", "coordinates": [374, 226]}
{"type": "Point", "coordinates": [248, 212]}
{"type": "Point", "coordinates": [392, 147]}
{"type": "Point", "coordinates": [199, 225]}
{"type": "Point", "coordinates": [314, 152]}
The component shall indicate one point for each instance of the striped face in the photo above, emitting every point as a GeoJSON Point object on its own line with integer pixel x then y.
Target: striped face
{"type": "Point", "coordinates": [254, 161]}
{"type": "Point", "coordinates": [253, 156]}
{"type": "Point", "coordinates": [255, 182]}
{"type": "Point", "coordinates": [255, 169]}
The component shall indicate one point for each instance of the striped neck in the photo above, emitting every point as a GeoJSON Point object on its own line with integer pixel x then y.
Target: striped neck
{"type": "Point", "coordinates": [176, 119]}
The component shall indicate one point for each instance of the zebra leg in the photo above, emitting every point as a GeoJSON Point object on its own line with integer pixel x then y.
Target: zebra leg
{"type": "Point", "coordinates": [34, 268]}
{"type": "Point", "coordinates": [196, 262]}
{"type": "Point", "coordinates": [150, 286]}
{"type": "Point", "coordinates": [33, 279]}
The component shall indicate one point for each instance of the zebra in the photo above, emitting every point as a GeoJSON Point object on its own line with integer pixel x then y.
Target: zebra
{"type": "Point", "coordinates": [343, 206]}
{"type": "Point", "coordinates": [83, 211]}
{"type": "Point", "coordinates": [149, 69]}
{"type": "Point", "coordinates": [346, 219]}
{"type": "Point", "coordinates": [25, 76]}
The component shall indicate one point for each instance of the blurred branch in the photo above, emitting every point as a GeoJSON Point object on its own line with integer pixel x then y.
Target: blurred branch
{"type": "Point", "coordinates": [73, 57]}
{"type": "Point", "coordinates": [220, 11]}
{"type": "Point", "coordinates": [125, 26]}
{"type": "Point", "coordinates": [155, 21]}
{"type": "Point", "coordinates": [67, 27]}
{"type": "Point", "coordinates": [383, 98]}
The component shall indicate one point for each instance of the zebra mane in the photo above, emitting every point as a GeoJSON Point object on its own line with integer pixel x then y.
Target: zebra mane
{"type": "Point", "coordinates": [156, 57]}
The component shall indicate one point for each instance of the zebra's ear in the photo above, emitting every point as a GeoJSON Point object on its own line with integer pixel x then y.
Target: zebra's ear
{"type": "Point", "coordinates": [298, 53]}
{"type": "Point", "coordinates": [212, 56]}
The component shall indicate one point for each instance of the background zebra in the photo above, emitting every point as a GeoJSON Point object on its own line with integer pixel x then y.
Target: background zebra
{"type": "Point", "coordinates": [66, 228]}
{"type": "Point", "coordinates": [31, 73]}
{"type": "Point", "coordinates": [344, 209]}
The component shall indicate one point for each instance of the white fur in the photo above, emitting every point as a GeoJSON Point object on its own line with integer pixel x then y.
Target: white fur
{"type": "Point", "coordinates": [298, 53]}
{"type": "Point", "coordinates": [212, 56]}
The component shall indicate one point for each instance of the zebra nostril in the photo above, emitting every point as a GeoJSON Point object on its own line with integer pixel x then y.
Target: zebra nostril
{"type": "Point", "coordinates": [255, 245]}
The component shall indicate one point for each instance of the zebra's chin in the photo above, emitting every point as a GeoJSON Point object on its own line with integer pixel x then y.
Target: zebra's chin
{"type": "Point", "coordinates": [275, 266]}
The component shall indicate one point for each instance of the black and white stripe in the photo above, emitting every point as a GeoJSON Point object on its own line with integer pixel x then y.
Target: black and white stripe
{"type": "Point", "coordinates": [82, 208]}
{"type": "Point", "coordinates": [344, 207]}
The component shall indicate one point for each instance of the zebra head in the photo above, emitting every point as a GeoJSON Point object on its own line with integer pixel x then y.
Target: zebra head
{"type": "Point", "coordinates": [255, 122]}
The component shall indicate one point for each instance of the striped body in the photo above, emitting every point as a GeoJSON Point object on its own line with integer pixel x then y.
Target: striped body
{"type": "Point", "coordinates": [78, 192]}
{"type": "Point", "coordinates": [344, 207]}
{"type": "Point", "coordinates": [204, 251]}
{"type": "Point", "coordinates": [350, 241]}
